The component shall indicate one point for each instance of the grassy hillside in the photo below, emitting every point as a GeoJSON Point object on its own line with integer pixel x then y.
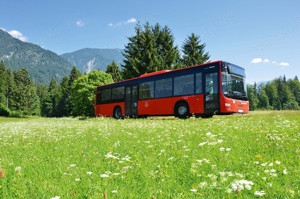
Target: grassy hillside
{"type": "Point", "coordinates": [238, 156]}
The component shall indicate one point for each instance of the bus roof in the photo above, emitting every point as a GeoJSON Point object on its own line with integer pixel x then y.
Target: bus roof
{"type": "Point", "coordinates": [146, 75]}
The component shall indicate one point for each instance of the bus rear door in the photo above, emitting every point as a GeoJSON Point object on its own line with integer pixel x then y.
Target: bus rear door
{"type": "Point", "coordinates": [131, 100]}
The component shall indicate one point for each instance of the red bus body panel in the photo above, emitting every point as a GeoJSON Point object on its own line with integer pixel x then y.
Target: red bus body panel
{"type": "Point", "coordinates": [107, 109]}
{"type": "Point", "coordinates": [165, 106]}
{"type": "Point", "coordinates": [228, 105]}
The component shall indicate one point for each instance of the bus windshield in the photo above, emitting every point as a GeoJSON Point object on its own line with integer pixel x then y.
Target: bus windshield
{"type": "Point", "coordinates": [233, 85]}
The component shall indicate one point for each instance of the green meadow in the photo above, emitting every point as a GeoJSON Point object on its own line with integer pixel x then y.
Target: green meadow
{"type": "Point", "coordinates": [237, 156]}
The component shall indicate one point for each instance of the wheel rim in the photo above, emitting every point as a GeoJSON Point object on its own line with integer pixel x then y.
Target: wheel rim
{"type": "Point", "coordinates": [182, 110]}
{"type": "Point", "coordinates": [117, 113]}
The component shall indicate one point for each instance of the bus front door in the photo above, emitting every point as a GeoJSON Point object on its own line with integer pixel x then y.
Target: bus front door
{"type": "Point", "coordinates": [131, 100]}
{"type": "Point", "coordinates": [211, 105]}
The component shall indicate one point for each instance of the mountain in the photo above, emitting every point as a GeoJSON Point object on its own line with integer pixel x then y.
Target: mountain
{"type": "Point", "coordinates": [41, 64]}
{"type": "Point", "coordinates": [88, 59]}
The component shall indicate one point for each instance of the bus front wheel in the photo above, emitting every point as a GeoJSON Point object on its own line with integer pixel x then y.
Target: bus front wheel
{"type": "Point", "coordinates": [182, 110]}
{"type": "Point", "coordinates": [117, 114]}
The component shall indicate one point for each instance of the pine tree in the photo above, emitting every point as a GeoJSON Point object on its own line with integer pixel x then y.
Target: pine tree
{"type": "Point", "coordinates": [151, 49]}
{"type": "Point", "coordinates": [294, 86]}
{"type": "Point", "coordinates": [3, 84]}
{"type": "Point", "coordinates": [74, 75]}
{"type": "Point", "coordinates": [25, 97]}
{"type": "Point", "coordinates": [252, 96]}
{"type": "Point", "coordinates": [272, 93]}
{"type": "Point", "coordinates": [10, 88]}
{"type": "Point", "coordinates": [263, 100]}
{"type": "Point", "coordinates": [114, 70]}
{"type": "Point", "coordinates": [193, 51]}
{"type": "Point", "coordinates": [64, 95]}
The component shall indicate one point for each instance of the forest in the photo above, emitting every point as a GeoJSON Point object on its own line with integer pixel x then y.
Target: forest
{"type": "Point", "coordinates": [150, 49]}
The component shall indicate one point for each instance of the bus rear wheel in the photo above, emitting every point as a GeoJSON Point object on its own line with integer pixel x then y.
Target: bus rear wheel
{"type": "Point", "coordinates": [182, 110]}
{"type": "Point", "coordinates": [117, 114]}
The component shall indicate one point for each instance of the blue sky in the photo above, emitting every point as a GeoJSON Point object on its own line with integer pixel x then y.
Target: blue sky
{"type": "Point", "coordinates": [261, 36]}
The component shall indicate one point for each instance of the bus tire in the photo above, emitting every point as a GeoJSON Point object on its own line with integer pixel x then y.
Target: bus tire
{"type": "Point", "coordinates": [205, 116]}
{"type": "Point", "coordinates": [117, 114]}
{"type": "Point", "coordinates": [182, 110]}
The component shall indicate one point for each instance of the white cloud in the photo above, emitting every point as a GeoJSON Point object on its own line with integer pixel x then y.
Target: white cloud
{"type": "Point", "coordinates": [260, 60]}
{"type": "Point", "coordinates": [131, 20]}
{"type": "Point", "coordinates": [266, 61]}
{"type": "Point", "coordinates": [118, 24]}
{"type": "Point", "coordinates": [284, 64]}
{"type": "Point", "coordinates": [18, 35]}
{"type": "Point", "coordinates": [256, 60]}
{"type": "Point", "coordinates": [80, 23]}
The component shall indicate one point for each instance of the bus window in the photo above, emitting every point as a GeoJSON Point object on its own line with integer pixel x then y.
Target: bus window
{"type": "Point", "coordinates": [184, 85]}
{"type": "Point", "coordinates": [146, 90]}
{"type": "Point", "coordinates": [118, 93]}
{"type": "Point", "coordinates": [106, 95]}
{"type": "Point", "coordinates": [198, 83]}
{"type": "Point", "coordinates": [163, 88]}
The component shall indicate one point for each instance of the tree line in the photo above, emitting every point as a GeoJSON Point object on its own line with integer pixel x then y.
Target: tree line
{"type": "Point", "coordinates": [151, 49]}
{"type": "Point", "coordinates": [279, 94]}
{"type": "Point", "coordinates": [72, 96]}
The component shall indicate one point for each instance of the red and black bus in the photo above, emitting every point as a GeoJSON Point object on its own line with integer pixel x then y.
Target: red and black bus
{"type": "Point", "coordinates": [203, 90]}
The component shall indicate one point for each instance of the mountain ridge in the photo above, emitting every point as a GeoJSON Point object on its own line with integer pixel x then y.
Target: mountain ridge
{"type": "Point", "coordinates": [42, 64]}
{"type": "Point", "coordinates": [88, 59]}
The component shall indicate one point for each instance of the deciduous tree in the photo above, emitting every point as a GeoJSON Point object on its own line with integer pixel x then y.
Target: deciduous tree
{"type": "Point", "coordinates": [83, 92]}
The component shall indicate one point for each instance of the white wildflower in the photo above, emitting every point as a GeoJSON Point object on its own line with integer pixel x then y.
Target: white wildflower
{"type": "Point", "coordinates": [222, 149]}
{"type": "Point", "coordinates": [194, 190]}
{"type": "Point", "coordinates": [208, 134]}
{"type": "Point", "coordinates": [228, 149]}
{"type": "Point", "coordinates": [284, 172]}
{"type": "Point", "coordinates": [56, 197]}
{"type": "Point", "coordinates": [18, 169]}
{"type": "Point", "coordinates": [72, 165]}
{"type": "Point", "coordinates": [77, 179]}
{"type": "Point", "coordinates": [202, 184]}
{"type": "Point", "coordinates": [239, 185]}
{"type": "Point", "coordinates": [259, 193]}
{"type": "Point", "coordinates": [114, 191]}
{"type": "Point", "coordinates": [89, 173]}
{"type": "Point", "coordinates": [277, 162]}
{"type": "Point", "coordinates": [202, 144]}
{"type": "Point", "coordinates": [110, 155]}
{"type": "Point", "coordinates": [104, 175]}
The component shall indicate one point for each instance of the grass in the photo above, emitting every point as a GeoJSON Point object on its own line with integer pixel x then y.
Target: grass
{"type": "Point", "coordinates": [238, 156]}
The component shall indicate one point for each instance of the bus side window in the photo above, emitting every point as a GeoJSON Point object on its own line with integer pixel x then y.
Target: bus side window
{"type": "Point", "coordinates": [98, 97]}
{"type": "Point", "coordinates": [146, 90]}
{"type": "Point", "coordinates": [198, 83]}
{"type": "Point", "coordinates": [163, 88]}
{"type": "Point", "coordinates": [184, 85]}
{"type": "Point", "coordinates": [106, 95]}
